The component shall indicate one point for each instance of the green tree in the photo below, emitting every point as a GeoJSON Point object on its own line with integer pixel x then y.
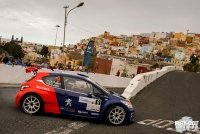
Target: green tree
{"type": "Point", "coordinates": [44, 51]}
{"type": "Point", "coordinates": [13, 49]}
{"type": "Point", "coordinates": [193, 66]}
{"type": "Point", "coordinates": [194, 58]}
{"type": "Point", "coordinates": [124, 73]}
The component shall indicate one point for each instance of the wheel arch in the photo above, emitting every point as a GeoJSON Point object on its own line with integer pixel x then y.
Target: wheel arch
{"type": "Point", "coordinates": [109, 106]}
{"type": "Point", "coordinates": [34, 93]}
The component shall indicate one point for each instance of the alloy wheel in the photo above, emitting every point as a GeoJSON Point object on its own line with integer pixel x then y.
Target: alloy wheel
{"type": "Point", "coordinates": [31, 104]}
{"type": "Point", "coordinates": [117, 115]}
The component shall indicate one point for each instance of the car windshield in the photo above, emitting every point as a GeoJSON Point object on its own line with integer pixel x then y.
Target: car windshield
{"type": "Point", "coordinates": [98, 85]}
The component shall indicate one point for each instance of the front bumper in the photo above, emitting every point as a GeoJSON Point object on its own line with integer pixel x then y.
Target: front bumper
{"type": "Point", "coordinates": [130, 116]}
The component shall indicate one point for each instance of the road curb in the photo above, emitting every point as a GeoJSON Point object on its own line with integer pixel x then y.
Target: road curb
{"type": "Point", "coordinates": [9, 85]}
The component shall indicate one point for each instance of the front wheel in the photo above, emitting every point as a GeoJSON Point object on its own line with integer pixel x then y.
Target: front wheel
{"type": "Point", "coordinates": [31, 104]}
{"type": "Point", "coordinates": [116, 115]}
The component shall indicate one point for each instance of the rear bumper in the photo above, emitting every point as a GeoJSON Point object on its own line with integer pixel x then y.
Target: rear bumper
{"type": "Point", "coordinates": [18, 98]}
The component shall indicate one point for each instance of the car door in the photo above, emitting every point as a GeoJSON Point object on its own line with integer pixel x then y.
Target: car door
{"type": "Point", "coordinates": [77, 98]}
{"type": "Point", "coordinates": [51, 97]}
{"type": "Point", "coordinates": [100, 99]}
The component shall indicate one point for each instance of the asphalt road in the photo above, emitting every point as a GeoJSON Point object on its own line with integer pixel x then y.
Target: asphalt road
{"type": "Point", "coordinates": [171, 97]}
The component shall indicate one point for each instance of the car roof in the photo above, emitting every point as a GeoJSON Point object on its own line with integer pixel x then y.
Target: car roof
{"type": "Point", "coordinates": [74, 74]}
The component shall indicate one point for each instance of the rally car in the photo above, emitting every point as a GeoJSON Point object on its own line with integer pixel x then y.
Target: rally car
{"type": "Point", "coordinates": [72, 94]}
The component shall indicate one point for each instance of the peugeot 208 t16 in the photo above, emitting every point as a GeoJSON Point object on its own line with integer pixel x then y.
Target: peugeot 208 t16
{"type": "Point", "coordinates": [72, 94]}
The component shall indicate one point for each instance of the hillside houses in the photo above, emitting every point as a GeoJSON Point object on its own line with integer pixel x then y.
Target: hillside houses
{"type": "Point", "coordinates": [176, 46]}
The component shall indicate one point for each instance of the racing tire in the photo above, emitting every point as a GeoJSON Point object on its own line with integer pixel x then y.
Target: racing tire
{"type": "Point", "coordinates": [32, 104]}
{"type": "Point", "coordinates": [116, 115]}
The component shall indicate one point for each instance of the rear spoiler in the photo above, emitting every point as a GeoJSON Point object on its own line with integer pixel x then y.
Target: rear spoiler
{"type": "Point", "coordinates": [32, 69]}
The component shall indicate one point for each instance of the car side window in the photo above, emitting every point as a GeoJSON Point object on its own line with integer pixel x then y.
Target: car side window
{"type": "Point", "coordinates": [77, 85]}
{"type": "Point", "coordinates": [54, 81]}
{"type": "Point", "coordinates": [97, 92]}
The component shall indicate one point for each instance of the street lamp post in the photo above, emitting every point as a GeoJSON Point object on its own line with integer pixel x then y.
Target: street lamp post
{"type": "Point", "coordinates": [65, 22]}
{"type": "Point", "coordinates": [56, 33]}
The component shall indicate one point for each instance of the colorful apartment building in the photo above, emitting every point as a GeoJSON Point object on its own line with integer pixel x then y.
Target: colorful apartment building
{"type": "Point", "coordinates": [196, 41]}
{"type": "Point", "coordinates": [178, 36]}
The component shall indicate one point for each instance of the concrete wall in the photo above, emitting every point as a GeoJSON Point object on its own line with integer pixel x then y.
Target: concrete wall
{"type": "Point", "coordinates": [17, 74]}
{"type": "Point", "coordinates": [13, 75]}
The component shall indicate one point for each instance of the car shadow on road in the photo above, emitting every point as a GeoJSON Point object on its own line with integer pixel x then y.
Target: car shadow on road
{"type": "Point", "coordinates": [73, 118]}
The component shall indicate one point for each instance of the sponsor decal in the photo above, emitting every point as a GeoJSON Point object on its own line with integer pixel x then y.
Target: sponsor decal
{"type": "Point", "coordinates": [68, 102]}
{"type": "Point", "coordinates": [42, 88]}
{"type": "Point", "coordinates": [89, 100]}
{"type": "Point", "coordinates": [186, 124]}
{"type": "Point", "coordinates": [67, 109]}
{"type": "Point", "coordinates": [93, 107]}
{"type": "Point", "coordinates": [87, 54]}
{"type": "Point", "coordinates": [72, 110]}
{"type": "Point", "coordinates": [82, 112]}
{"type": "Point", "coordinates": [92, 104]}
{"type": "Point", "coordinates": [89, 49]}
{"type": "Point", "coordinates": [86, 100]}
{"type": "Point", "coordinates": [96, 114]}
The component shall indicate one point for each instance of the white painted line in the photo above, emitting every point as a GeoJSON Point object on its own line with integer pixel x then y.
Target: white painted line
{"type": "Point", "coordinates": [67, 131]}
{"type": "Point", "coordinates": [77, 125]}
{"type": "Point", "coordinates": [70, 128]}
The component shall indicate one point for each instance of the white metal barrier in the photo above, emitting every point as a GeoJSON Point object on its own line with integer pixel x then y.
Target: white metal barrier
{"type": "Point", "coordinates": [142, 80]}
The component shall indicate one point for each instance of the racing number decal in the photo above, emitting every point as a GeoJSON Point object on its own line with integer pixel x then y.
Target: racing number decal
{"type": "Point", "coordinates": [98, 102]}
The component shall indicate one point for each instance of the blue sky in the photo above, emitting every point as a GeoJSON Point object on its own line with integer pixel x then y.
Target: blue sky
{"type": "Point", "coordinates": [35, 20]}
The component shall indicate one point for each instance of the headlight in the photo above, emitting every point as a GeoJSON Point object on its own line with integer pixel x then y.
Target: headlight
{"type": "Point", "coordinates": [127, 103]}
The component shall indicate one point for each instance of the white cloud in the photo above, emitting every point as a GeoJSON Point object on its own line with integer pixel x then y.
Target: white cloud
{"type": "Point", "coordinates": [36, 20]}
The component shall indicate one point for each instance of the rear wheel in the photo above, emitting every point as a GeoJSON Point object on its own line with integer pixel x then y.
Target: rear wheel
{"type": "Point", "coordinates": [31, 104]}
{"type": "Point", "coordinates": [116, 115]}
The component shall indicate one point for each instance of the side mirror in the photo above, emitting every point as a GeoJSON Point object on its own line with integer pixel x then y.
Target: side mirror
{"type": "Point", "coordinates": [89, 94]}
